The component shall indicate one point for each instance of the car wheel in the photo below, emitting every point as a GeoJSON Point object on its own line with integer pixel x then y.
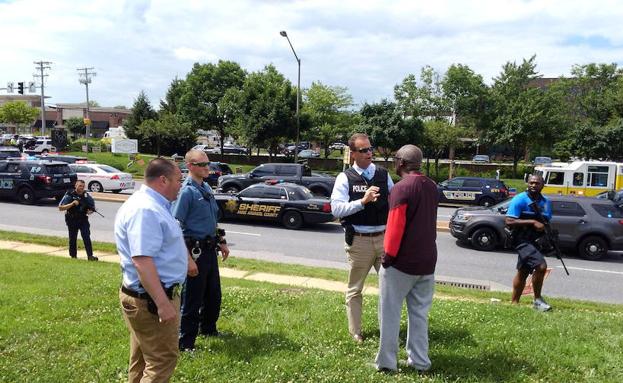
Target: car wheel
{"type": "Point", "coordinates": [231, 189]}
{"type": "Point", "coordinates": [26, 196]}
{"type": "Point", "coordinates": [484, 239]}
{"type": "Point", "coordinates": [487, 201]}
{"type": "Point", "coordinates": [593, 248]}
{"type": "Point", "coordinates": [292, 220]}
{"type": "Point", "coordinates": [96, 187]}
{"type": "Point", "coordinates": [44, 151]}
{"type": "Point", "coordinates": [117, 191]}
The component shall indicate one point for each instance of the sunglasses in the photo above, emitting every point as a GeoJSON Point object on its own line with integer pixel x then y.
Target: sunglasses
{"type": "Point", "coordinates": [365, 150]}
{"type": "Point", "coordinates": [202, 164]}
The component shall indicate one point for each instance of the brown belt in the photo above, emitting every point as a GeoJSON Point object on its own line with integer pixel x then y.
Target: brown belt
{"type": "Point", "coordinates": [370, 234]}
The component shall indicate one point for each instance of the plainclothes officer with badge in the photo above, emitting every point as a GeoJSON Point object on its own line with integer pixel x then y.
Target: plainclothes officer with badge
{"type": "Point", "coordinates": [360, 200]}
{"type": "Point", "coordinates": [154, 262]}
{"type": "Point", "coordinates": [78, 205]}
{"type": "Point", "coordinates": [197, 212]}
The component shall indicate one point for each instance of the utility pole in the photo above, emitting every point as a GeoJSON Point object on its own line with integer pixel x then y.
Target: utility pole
{"type": "Point", "coordinates": [42, 66]}
{"type": "Point", "coordinates": [85, 78]}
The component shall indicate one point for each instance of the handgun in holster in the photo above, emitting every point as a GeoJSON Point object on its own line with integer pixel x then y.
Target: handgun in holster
{"type": "Point", "coordinates": [349, 233]}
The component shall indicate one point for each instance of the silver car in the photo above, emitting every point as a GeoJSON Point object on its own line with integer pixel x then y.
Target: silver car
{"type": "Point", "coordinates": [589, 226]}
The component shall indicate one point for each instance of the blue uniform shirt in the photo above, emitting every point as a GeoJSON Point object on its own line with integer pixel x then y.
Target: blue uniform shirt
{"type": "Point", "coordinates": [68, 198]}
{"type": "Point", "coordinates": [197, 212]}
{"type": "Point", "coordinates": [144, 226]}
{"type": "Point", "coordinates": [520, 207]}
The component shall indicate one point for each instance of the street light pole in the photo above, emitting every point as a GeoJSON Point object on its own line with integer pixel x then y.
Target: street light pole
{"type": "Point", "coordinates": [298, 97]}
{"type": "Point", "coordinates": [85, 78]}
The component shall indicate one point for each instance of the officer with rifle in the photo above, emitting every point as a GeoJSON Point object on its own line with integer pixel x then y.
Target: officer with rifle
{"type": "Point", "coordinates": [78, 205]}
{"type": "Point", "coordinates": [527, 219]}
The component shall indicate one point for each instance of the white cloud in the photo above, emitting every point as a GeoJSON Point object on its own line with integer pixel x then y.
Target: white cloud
{"type": "Point", "coordinates": [367, 46]}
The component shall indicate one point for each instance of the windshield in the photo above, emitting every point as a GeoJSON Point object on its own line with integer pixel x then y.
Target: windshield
{"type": "Point", "coordinates": [108, 169]}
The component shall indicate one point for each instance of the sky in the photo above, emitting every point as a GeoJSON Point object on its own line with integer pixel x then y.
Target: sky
{"type": "Point", "coordinates": [366, 46]}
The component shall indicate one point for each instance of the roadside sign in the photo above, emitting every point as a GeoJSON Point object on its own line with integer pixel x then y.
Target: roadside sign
{"type": "Point", "coordinates": [124, 145]}
{"type": "Point", "coordinates": [87, 121]}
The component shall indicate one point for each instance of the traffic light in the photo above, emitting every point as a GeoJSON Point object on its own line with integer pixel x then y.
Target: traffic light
{"type": "Point", "coordinates": [20, 87]}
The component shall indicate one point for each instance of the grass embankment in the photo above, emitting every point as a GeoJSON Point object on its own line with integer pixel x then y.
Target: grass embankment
{"type": "Point", "coordinates": [70, 329]}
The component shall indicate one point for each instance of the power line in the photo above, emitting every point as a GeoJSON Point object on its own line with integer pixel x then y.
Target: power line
{"type": "Point", "coordinates": [86, 75]}
{"type": "Point", "coordinates": [42, 66]}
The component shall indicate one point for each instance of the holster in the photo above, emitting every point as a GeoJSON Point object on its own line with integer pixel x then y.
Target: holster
{"type": "Point", "coordinates": [349, 233]}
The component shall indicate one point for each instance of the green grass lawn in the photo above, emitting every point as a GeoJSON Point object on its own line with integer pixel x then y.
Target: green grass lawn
{"type": "Point", "coordinates": [61, 322]}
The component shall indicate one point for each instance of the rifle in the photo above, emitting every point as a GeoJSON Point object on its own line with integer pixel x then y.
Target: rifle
{"type": "Point", "coordinates": [552, 238]}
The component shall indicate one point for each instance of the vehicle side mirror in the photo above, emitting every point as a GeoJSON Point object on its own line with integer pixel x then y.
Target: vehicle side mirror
{"type": "Point", "coordinates": [252, 175]}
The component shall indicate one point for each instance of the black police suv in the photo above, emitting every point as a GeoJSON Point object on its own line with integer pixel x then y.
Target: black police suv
{"type": "Point", "coordinates": [590, 226]}
{"type": "Point", "coordinates": [472, 190]}
{"type": "Point", "coordinates": [290, 204]}
{"type": "Point", "coordinates": [30, 180]}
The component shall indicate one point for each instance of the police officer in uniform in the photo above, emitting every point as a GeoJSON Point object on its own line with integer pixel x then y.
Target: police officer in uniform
{"type": "Point", "coordinates": [197, 212]}
{"type": "Point", "coordinates": [360, 200]}
{"type": "Point", "coordinates": [78, 205]}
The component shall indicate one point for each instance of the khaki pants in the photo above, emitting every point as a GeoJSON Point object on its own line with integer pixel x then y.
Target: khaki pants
{"type": "Point", "coordinates": [153, 345]}
{"type": "Point", "coordinates": [363, 254]}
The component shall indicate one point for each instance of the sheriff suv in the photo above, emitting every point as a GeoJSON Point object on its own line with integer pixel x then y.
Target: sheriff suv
{"type": "Point", "coordinates": [30, 180]}
{"type": "Point", "coordinates": [472, 190]}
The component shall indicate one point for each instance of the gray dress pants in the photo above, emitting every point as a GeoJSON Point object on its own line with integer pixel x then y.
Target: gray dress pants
{"type": "Point", "coordinates": [395, 287]}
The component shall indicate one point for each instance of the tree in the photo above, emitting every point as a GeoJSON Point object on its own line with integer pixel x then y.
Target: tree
{"type": "Point", "coordinates": [203, 89]}
{"type": "Point", "coordinates": [94, 104]}
{"type": "Point", "coordinates": [18, 113]}
{"type": "Point", "coordinates": [263, 110]}
{"type": "Point", "coordinates": [171, 101]}
{"type": "Point", "coordinates": [468, 96]}
{"type": "Point", "coordinates": [168, 134]}
{"type": "Point", "coordinates": [425, 101]}
{"type": "Point", "coordinates": [75, 125]}
{"type": "Point", "coordinates": [141, 111]}
{"type": "Point", "coordinates": [387, 128]}
{"type": "Point", "coordinates": [326, 108]}
{"type": "Point", "coordinates": [520, 112]}
{"type": "Point", "coordinates": [439, 136]}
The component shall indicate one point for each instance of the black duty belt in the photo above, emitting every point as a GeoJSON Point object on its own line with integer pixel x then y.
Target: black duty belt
{"type": "Point", "coordinates": [370, 234]}
{"type": "Point", "coordinates": [195, 245]}
{"type": "Point", "coordinates": [171, 292]}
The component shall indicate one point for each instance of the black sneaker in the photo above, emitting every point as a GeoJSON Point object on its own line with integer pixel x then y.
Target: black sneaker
{"type": "Point", "coordinates": [93, 258]}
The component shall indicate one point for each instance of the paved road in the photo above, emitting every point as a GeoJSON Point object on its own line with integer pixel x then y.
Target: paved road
{"type": "Point", "coordinates": [321, 245]}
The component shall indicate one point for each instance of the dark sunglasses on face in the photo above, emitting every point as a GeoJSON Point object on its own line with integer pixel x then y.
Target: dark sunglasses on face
{"type": "Point", "coordinates": [202, 164]}
{"type": "Point", "coordinates": [365, 150]}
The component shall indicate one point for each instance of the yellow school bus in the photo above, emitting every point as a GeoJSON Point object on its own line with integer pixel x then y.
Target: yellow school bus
{"type": "Point", "coordinates": [581, 178]}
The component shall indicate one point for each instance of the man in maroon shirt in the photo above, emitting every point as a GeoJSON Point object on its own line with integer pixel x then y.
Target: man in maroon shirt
{"type": "Point", "coordinates": [408, 263]}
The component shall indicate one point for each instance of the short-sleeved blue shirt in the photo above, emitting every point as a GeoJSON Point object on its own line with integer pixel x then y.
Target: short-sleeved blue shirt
{"type": "Point", "coordinates": [68, 198]}
{"type": "Point", "coordinates": [520, 207]}
{"type": "Point", "coordinates": [196, 210]}
{"type": "Point", "coordinates": [144, 226]}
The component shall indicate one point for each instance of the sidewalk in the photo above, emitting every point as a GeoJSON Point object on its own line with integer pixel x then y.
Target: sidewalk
{"type": "Point", "coordinates": [290, 280]}
{"type": "Point", "coordinates": [282, 279]}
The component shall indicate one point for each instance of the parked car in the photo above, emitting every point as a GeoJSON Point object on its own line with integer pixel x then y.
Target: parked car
{"type": "Point", "coordinates": [41, 146]}
{"type": "Point", "coordinates": [337, 146]}
{"type": "Point", "coordinates": [542, 161]}
{"type": "Point", "coordinates": [217, 169]}
{"type": "Point", "coordinates": [99, 177]}
{"type": "Point", "coordinates": [472, 190]}
{"type": "Point", "coordinates": [290, 148]}
{"type": "Point", "coordinates": [295, 173]}
{"type": "Point", "coordinates": [590, 226]}
{"type": "Point", "coordinates": [290, 204]}
{"type": "Point", "coordinates": [9, 152]}
{"type": "Point", "coordinates": [207, 149]}
{"type": "Point", "coordinates": [30, 180]}
{"type": "Point", "coordinates": [481, 159]}
{"type": "Point", "coordinates": [308, 153]}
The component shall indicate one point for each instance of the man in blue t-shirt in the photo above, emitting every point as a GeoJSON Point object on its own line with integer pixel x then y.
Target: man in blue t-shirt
{"type": "Point", "coordinates": [526, 229]}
